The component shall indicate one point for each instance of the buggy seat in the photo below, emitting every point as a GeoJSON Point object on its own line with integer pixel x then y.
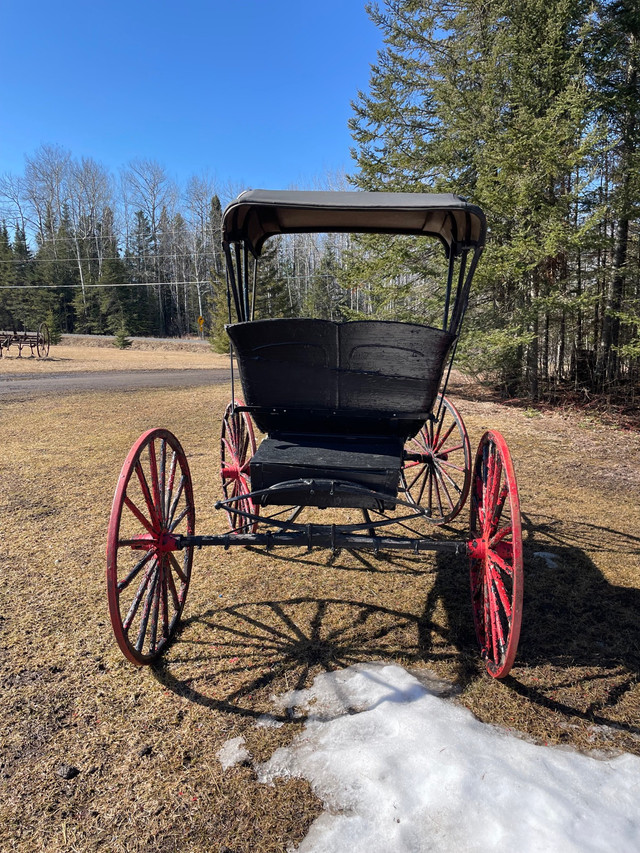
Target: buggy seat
{"type": "Point", "coordinates": [368, 377]}
{"type": "Point", "coordinates": [337, 400]}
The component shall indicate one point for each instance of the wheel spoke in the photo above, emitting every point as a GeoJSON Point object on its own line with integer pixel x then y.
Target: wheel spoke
{"type": "Point", "coordinates": [445, 445]}
{"type": "Point", "coordinates": [138, 514]}
{"type": "Point", "coordinates": [172, 589]}
{"type": "Point", "coordinates": [135, 604]}
{"type": "Point", "coordinates": [438, 495]}
{"type": "Point", "coordinates": [147, 494]}
{"type": "Point", "coordinates": [428, 476]}
{"type": "Point", "coordinates": [478, 506]}
{"type": "Point", "coordinates": [417, 477]}
{"type": "Point", "coordinates": [162, 485]}
{"type": "Point", "coordinates": [493, 621]}
{"type": "Point", "coordinates": [440, 441]}
{"type": "Point", "coordinates": [445, 463]}
{"type": "Point", "coordinates": [175, 503]}
{"type": "Point", "coordinates": [165, 603]}
{"type": "Point", "coordinates": [419, 443]}
{"type": "Point", "coordinates": [449, 450]}
{"type": "Point", "coordinates": [169, 491]}
{"type": "Point", "coordinates": [487, 632]}
{"type": "Point", "coordinates": [124, 583]}
{"type": "Point", "coordinates": [177, 568]}
{"type": "Point", "coordinates": [497, 515]}
{"type": "Point", "coordinates": [155, 611]}
{"type": "Point", "coordinates": [229, 447]}
{"type": "Point", "coordinates": [237, 447]}
{"type": "Point", "coordinates": [500, 535]}
{"type": "Point", "coordinates": [445, 475]}
{"type": "Point", "coordinates": [500, 562]}
{"type": "Point", "coordinates": [153, 464]}
{"type": "Point", "coordinates": [178, 519]}
{"type": "Point", "coordinates": [444, 488]}
{"type": "Point", "coordinates": [146, 611]}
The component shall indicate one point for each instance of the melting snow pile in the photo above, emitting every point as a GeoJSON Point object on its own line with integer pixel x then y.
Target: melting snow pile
{"type": "Point", "coordinates": [399, 769]}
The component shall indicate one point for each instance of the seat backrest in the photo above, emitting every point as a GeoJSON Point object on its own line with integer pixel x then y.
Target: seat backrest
{"type": "Point", "coordinates": [287, 363]}
{"type": "Point", "coordinates": [365, 377]}
{"type": "Point", "coordinates": [390, 366]}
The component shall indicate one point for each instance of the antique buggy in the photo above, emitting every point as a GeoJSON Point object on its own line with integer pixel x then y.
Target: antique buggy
{"type": "Point", "coordinates": [355, 419]}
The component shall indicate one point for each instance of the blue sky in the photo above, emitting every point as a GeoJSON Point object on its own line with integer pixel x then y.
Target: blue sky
{"type": "Point", "coordinates": [256, 92]}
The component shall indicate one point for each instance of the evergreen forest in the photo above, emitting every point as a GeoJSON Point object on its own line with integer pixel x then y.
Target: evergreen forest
{"type": "Point", "coordinates": [529, 109]}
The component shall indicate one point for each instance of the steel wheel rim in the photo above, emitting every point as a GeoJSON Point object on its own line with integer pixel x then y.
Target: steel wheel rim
{"type": "Point", "coordinates": [440, 481]}
{"type": "Point", "coordinates": [237, 447]}
{"type": "Point", "coordinates": [495, 555]}
{"type": "Point", "coordinates": [147, 581]}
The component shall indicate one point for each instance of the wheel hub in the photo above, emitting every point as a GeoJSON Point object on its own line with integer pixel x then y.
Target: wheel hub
{"type": "Point", "coordinates": [162, 543]}
{"type": "Point", "coordinates": [232, 473]}
{"type": "Point", "coordinates": [428, 458]}
{"type": "Point", "coordinates": [477, 548]}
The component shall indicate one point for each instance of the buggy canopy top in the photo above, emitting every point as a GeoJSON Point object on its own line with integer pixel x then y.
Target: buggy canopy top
{"type": "Point", "coordinates": [257, 215]}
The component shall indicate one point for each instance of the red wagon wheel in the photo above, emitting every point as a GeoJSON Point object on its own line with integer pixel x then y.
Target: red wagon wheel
{"type": "Point", "coordinates": [495, 552]}
{"type": "Point", "coordinates": [237, 446]}
{"type": "Point", "coordinates": [43, 341]}
{"type": "Point", "coordinates": [436, 472]}
{"type": "Point", "coordinates": [147, 577]}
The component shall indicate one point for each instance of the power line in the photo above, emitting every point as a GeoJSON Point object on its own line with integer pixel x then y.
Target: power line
{"type": "Point", "coordinates": [188, 235]}
{"type": "Point", "coordinates": [143, 283]}
{"type": "Point", "coordinates": [87, 286]}
{"type": "Point", "coordinates": [73, 260]}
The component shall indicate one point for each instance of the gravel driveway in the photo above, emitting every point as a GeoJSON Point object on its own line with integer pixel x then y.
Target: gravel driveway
{"type": "Point", "coordinates": [119, 380]}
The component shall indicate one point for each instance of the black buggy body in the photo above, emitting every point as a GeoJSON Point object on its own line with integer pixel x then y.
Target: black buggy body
{"type": "Point", "coordinates": [338, 401]}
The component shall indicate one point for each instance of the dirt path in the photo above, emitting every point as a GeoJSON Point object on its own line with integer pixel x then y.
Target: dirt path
{"type": "Point", "coordinates": [29, 385]}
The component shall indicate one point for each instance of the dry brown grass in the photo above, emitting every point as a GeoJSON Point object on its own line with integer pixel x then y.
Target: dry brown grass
{"type": "Point", "coordinates": [76, 358]}
{"type": "Point", "coordinates": [257, 624]}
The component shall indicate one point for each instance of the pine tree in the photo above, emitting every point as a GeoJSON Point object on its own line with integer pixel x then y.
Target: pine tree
{"type": "Point", "coordinates": [489, 100]}
{"type": "Point", "coordinates": [21, 305]}
{"type": "Point", "coordinates": [617, 73]}
{"type": "Point", "coordinates": [140, 269]}
{"type": "Point", "coordinates": [121, 307]}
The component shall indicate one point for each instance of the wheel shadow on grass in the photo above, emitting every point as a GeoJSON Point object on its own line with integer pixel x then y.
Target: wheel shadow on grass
{"type": "Point", "coordinates": [579, 650]}
{"type": "Point", "coordinates": [577, 629]}
{"type": "Point", "coordinates": [582, 628]}
{"type": "Point", "coordinates": [282, 643]}
{"type": "Point", "coordinates": [245, 652]}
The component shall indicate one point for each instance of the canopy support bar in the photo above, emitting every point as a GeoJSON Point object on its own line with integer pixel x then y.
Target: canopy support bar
{"type": "Point", "coordinates": [231, 282]}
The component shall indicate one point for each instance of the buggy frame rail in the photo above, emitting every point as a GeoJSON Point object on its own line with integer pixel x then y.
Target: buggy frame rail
{"type": "Point", "coordinates": [331, 536]}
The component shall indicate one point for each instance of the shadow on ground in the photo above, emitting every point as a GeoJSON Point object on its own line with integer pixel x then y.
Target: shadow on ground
{"type": "Point", "coordinates": [576, 626]}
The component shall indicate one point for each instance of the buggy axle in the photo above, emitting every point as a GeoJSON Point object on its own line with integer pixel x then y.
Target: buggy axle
{"type": "Point", "coordinates": [323, 536]}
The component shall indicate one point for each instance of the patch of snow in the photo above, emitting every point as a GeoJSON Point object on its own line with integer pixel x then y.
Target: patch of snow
{"type": "Point", "coordinates": [268, 721]}
{"type": "Point", "coordinates": [233, 752]}
{"type": "Point", "coordinates": [552, 560]}
{"type": "Point", "coordinates": [402, 770]}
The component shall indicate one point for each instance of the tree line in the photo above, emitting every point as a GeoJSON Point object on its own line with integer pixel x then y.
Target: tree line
{"type": "Point", "coordinates": [95, 253]}
{"type": "Point", "coordinates": [72, 233]}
